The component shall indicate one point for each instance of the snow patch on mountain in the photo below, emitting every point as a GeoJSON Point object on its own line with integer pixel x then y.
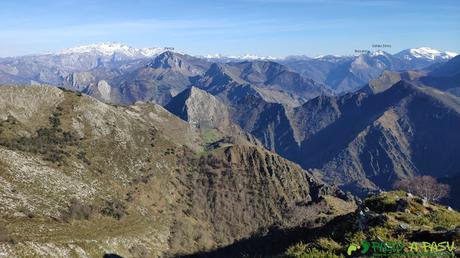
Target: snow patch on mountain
{"type": "Point", "coordinates": [426, 53]}
{"type": "Point", "coordinates": [378, 53]}
{"type": "Point", "coordinates": [246, 57]}
{"type": "Point", "coordinates": [108, 49]}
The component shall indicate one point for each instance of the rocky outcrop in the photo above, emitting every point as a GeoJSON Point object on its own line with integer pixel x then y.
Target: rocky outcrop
{"type": "Point", "coordinates": [200, 109]}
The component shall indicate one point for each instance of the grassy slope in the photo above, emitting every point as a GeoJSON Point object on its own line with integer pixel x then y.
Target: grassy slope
{"type": "Point", "coordinates": [80, 177]}
{"type": "Point", "coordinates": [397, 217]}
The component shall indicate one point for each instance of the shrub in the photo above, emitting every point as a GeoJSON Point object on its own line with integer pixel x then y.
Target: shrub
{"type": "Point", "coordinates": [114, 208]}
{"type": "Point", "coordinates": [50, 142]}
{"type": "Point", "coordinates": [355, 237]}
{"type": "Point", "coordinates": [302, 250]}
{"type": "Point", "coordinates": [444, 218]}
{"type": "Point", "coordinates": [382, 203]}
{"type": "Point", "coordinates": [77, 210]}
{"type": "Point", "coordinates": [327, 244]}
{"type": "Point", "coordinates": [139, 251]}
{"type": "Point", "coordinates": [4, 236]}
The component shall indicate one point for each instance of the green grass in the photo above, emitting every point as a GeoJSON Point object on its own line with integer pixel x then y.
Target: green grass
{"type": "Point", "coordinates": [415, 215]}
{"type": "Point", "coordinates": [302, 250]}
{"type": "Point", "coordinates": [385, 202]}
{"type": "Point", "coordinates": [210, 135]}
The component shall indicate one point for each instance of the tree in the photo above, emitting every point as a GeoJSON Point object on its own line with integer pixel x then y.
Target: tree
{"type": "Point", "coordinates": [424, 186]}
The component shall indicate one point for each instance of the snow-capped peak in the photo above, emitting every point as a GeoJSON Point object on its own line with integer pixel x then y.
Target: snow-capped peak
{"type": "Point", "coordinates": [377, 53]}
{"type": "Point", "coordinates": [426, 53]}
{"type": "Point", "coordinates": [254, 57]}
{"type": "Point", "coordinates": [108, 49]}
{"type": "Point", "coordinates": [328, 56]}
{"type": "Point", "coordinates": [249, 57]}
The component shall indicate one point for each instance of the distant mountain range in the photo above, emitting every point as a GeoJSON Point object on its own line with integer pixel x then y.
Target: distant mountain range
{"type": "Point", "coordinates": [349, 73]}
{"type": "Point", "coordinates": [84, 67]}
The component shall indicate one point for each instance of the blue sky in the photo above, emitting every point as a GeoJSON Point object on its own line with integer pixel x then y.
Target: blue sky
{"type": "Point", "coordinates": [263, 27]}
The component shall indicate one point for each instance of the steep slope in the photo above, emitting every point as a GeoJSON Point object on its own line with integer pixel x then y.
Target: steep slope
{"type": "Point", "coordinates": [387, 217]}
{"type": "Point", "coordinates": [390, 78]}
{"type": "Point", "coordinates": [448, 69]}
{"type": "Point", "coordinates": [164, 77]}
{"type": "Point", "coordinates": [249, 109]}
{"type": "Point", "coordinates": [371, 140]}
{"type": "Point", "coordinates": [200, 109]}
{"type": "Point", "coordinates": [275, 80]}
{"type": "Point", "coordinates": [446, 77]}
{"type": "Point", "coordinates": [363, 141]}
{"type": "Point", "coordinates": [80, 177]}
{"type": "Point", "coordinates": [209, 117]}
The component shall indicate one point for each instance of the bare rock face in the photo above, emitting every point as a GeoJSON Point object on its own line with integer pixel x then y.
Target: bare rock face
{"type": "Point", "coordinates": [200, 109]}
{"type": "Point", "coordinates": [81, 176]}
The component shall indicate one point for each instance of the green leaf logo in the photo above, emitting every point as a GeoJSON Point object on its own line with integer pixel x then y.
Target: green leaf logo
{"type": "Point", "coordinates": [352, 248]}
{"type": "Point", "coordinates": [365, 245]}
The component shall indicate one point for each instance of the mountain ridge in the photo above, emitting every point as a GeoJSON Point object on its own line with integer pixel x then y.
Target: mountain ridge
{"type": "Point", "coordinates": [94, 178]}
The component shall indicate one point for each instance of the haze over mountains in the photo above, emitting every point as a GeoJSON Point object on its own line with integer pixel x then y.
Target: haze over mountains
{"type": "Point", "coordinates": [86, 66]}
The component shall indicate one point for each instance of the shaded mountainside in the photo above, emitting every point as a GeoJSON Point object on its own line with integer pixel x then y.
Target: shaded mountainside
{"type": "Point", "coordinates": [246, 107]}
{"type": "Point", "coordinates": [362, 141]}
{"type": "Point", "coordinates": [372, 140]}
{"type": "Point", "coordinates": [209, 117]}
{"type": "Point", "coordinates": [388, 216]}
{"type": "Point", "coordinates": [446, 77]}
{"type": "Point", "coordinates": [390, 78]}
{"type": "Point", "coordinates": [80, 177]}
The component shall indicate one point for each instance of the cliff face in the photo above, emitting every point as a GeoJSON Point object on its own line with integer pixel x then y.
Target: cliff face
{"type": "Point", "coordinates": [80, 177]}
{"type": "Point", "coordinates": [200, 109]}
